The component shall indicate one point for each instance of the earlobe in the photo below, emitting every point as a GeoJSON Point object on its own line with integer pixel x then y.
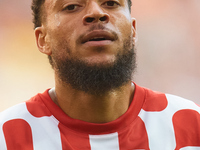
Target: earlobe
{"type": "Point", "coordinates": [42, 44]}
{"type": "Point", "coordinates": [134, 30]}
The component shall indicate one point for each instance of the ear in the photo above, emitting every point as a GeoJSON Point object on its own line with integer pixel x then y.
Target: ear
{"type": "Point", "coordinates": [134, 30]}
{"type": "Point", "coordinates": [41, 39]}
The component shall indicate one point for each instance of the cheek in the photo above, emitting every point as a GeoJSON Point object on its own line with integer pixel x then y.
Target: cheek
{"type": "Point", "coordinates": [122, 22]}
{"type": "Point", "coordinates": [66, 34]}
{"type": "Point", "coordinates": [57, 21]}
{"type": "Point", "coordinates": [124, 28]}
{"type": "Point", "coordinates": [57, 43]}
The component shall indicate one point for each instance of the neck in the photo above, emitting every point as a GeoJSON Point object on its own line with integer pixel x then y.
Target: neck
{"type": "Point", "coordinates": [93, 108]}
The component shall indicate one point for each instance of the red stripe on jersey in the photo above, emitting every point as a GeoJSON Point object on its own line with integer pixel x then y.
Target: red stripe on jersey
{"type": "Point", "coordinates": [155, 101]}
{"type": "Point", "coordinates": [186, 125]}
{"type": "Point", "coordinates": [37, 108]}
{"type": "Point", "coordinates": [72, 140]}
{"type": "Point", "coordinates": [135, 138]}
{"type": "Point", "coordinates": [18, 135]}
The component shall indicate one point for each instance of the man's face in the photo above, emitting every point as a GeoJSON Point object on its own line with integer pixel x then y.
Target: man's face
{"type": "Point", "coordinates": [92, 30]}
{"type": "Point", "coordinates": [90, 42]}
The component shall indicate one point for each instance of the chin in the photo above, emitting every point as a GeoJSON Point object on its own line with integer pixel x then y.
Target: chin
{"type": "Point", "coordinates": [99, 60]}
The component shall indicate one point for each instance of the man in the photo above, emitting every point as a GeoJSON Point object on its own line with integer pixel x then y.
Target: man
{"type": "Point", "coordinates": [95, 105]}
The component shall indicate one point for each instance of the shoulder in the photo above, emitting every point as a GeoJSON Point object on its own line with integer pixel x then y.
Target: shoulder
{"type": "Point", "coordinates": [34, 107]}
{"type": "Point", "coordinates": [172, 120]}
{"type": "Point", "coordinates": [181, 103]}
{"type": "Point", "coordinates": [165, 108]}
{"type": "Point", "coordinates": [158, 101]}
{"type": "Point", "coordinates": [13, 112]}
{"type": "Point", "coordinates": [21, 123]}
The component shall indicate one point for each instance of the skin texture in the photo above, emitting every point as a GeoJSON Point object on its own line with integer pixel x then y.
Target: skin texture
{"type": "Point", "coordinates": [71, 23]}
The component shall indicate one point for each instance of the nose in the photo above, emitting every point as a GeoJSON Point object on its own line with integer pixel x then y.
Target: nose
{"type": "Point", "coordinates": [95, 14]}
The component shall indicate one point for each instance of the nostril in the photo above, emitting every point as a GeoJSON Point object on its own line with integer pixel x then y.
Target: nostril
{"type": "Point", "coordinates": [89, 19]}
{"type": "Point", "coordinates": [95, 17]}
{"type": "Point", "coordinates": [104, 18]}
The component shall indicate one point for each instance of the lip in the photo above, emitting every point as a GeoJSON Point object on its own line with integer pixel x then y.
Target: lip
{"type": "Point", "coordinates": [106, 37]}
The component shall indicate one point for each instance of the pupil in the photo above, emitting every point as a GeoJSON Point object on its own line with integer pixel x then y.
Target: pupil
{"type": "Point", "coordinates": [110, 3]}
{"type": "Point", "coordinates": [71, 7]}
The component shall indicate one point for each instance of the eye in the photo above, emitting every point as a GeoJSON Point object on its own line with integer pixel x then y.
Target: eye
{"type": "Point", "coordinates": [111, 4]}
{"type": "Point", "coordinates": [71, 8]}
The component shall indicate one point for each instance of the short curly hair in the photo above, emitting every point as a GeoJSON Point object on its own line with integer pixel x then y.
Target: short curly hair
{"type": "Point", "coordinates": [37, 11]}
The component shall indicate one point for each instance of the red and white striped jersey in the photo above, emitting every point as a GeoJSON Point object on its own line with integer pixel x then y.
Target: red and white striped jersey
{"type": "Point", "coordinates": [154, 121]}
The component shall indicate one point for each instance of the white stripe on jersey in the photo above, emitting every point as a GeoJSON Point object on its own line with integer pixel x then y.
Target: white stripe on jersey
{"type": "Point", "coordinates": [190, 148]}
{"type": "Point", "coordinates": [104, 142]}
{"type": "Point", "coordinates": [2, 141]}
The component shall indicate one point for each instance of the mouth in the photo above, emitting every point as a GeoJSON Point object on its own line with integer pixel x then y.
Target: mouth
{"type": "Point", "coordinates": [98, 36]}
{"type": "Point", "coordinates": [98, 39]}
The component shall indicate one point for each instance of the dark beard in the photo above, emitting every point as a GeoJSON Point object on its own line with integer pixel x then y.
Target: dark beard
{"type": "Point", "coordinates": [97, 79]}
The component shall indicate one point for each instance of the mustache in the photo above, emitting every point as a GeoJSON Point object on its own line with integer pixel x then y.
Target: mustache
{"type": "Point", "coordinates": [98, 27]}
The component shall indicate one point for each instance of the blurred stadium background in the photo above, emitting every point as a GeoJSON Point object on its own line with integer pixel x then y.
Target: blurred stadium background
{"type": "Point", "coordinates": [168, 50]}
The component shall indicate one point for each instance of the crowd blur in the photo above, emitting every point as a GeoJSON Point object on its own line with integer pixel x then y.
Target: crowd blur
{"type": "Point", "coordinates": [168, 50]}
